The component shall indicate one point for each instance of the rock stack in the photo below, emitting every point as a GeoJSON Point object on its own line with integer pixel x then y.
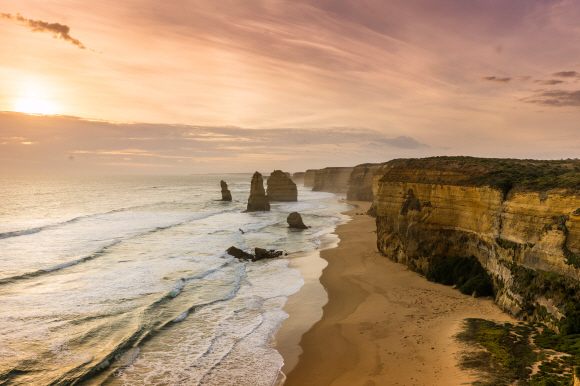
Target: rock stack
{"type": "Point", "coordinates": [295, 221]}
{"type": "Point", "coordinates": [258, 200]}
{"type": "Point", "coordinates": [281, 187]}
{"type": "Point", "coordinates": [226, 195]}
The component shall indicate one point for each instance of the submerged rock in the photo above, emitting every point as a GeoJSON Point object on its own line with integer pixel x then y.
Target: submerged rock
{"type": "Point", "coordinates": [226, 195]}
{"type": "Point", "coordinates": [258, 200]}
{"type": "Point", "coordinates": [295, 221]}
{"type": "Point", "coordinates": [281, 187]}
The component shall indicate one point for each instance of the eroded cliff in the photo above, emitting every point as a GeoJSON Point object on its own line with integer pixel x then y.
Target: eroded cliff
{"type": "Point", "coordinates": [309, 176]}
{"type": "Point", "coordinates": [281, 187]}
{"type": "Point", "coordinates": [331, 179]}
{"type": "Point", "coordinates": [520, 219]}
{"type": "Point", "coordinates": [363, 178]}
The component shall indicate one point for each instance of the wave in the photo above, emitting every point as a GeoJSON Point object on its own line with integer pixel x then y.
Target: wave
{"type": "Point", "coordinates": [103, 250]}
{"type": "Point", "coordinates": [24, 232]}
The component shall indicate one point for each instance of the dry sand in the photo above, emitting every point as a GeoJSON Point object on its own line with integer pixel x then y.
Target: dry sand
{"type": "Point", "coordinates": [382, 325]}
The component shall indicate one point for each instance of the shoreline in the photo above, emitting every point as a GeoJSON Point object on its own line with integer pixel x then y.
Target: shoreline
{"type": "Point", "coordinates": [372, 332]}
{"type": "Point", "coordinates": [304, 308]}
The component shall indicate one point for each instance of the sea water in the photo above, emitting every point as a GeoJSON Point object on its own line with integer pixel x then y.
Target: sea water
{"type": "Point", "coordinates": [125, 280]}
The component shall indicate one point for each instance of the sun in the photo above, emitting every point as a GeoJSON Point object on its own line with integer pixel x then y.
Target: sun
{"type": "Point", "coordinates": [34, 106]}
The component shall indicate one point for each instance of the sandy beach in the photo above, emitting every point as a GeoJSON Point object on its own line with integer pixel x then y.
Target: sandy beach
{"type": "Point", "coordinates": [382, 325]}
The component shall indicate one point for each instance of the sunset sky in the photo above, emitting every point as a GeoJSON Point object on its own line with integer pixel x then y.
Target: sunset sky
{"type": "Point", "coordinates": [200, 86]}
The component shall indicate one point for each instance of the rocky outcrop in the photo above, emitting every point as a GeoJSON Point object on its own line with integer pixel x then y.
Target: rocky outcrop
{"type": "Point", "coordinates": [226, 195]}
{"type": "Point", "coordinates": [295, 221]}
{"type": "Point", "coordinates": [258, 200]}
{"type": "Point", "coordinates": [281, 187]}
{"type": "Point", "coordinates": [527, 239]}
{"type": "Point", "coordinates": [331, 179]}
{"type": "Point", "coordinates": [298, 177]}
{"type": "Point", "coordinates": [309, 178]}
{"type": "Point", "coordinates": [362, 179]}
{"type": "Point", "coordinates": [259, 254]}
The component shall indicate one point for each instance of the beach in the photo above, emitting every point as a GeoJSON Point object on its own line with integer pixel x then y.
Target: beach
{"type": "Point", "coordinates": [383, 324]}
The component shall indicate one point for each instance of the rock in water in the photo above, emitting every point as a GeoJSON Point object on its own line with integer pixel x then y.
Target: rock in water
{"type": "Point", "coordinates": [295, 221]}
{"type": "Point", "coordinates": [226, 195]}
{"type": "Point", "coordinates": [281, 187]}
{"type": "Point", "coordinates": [239, 254]}
{"type": "Point", "coordinates": [266, 253]}
{"type": "Point", "coordinates": [258, 200]}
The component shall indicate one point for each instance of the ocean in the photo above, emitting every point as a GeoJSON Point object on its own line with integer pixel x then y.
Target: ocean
{"type": "Point", "coordinates": [124, 280]}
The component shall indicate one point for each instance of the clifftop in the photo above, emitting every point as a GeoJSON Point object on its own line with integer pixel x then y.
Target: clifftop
{"type": "Point", "coordinates": [497, 173]}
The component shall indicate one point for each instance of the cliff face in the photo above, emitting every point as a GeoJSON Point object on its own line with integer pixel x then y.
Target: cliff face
{"type": "Point", "coordinates": [298, 177]}
{"type": "Point", "coordinates": [529, 241]}
{"type": "Point", "coordinates": [362, 179]}
{"type": "Point", "coordinates": [309, 178]}
{"type": "Point", "coordinates": [332, 179]}
{"type": "Point", "coordinates": [258, 200]}
{"type": "Point", "coordinates": [281, 187]}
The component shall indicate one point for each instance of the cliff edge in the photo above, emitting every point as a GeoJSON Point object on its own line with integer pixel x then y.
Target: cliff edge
{"type": "Point", "coordinates": [519, 218]}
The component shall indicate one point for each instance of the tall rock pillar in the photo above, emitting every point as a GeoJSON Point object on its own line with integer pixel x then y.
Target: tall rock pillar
{"type": "Point", "coordinates": [258, 200]}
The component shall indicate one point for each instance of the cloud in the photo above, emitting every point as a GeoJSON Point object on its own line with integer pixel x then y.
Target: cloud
{"type": "Point", "coordinates": [403, 142]}
{"type": "Point", "coordinates": [58, 30]}
{"type": "Point", "coordinates": [549, 82]}
{"type": "Point", "coordinates": [566, 74]}
{"type": "Point", "coordinates": [496, 79]}
{"type": "Point", "coordinates": [524, 78]}
{"type": "Point", "coordinates": [558, 98]}
{"type": "Point", "coordinates": [58, 139]}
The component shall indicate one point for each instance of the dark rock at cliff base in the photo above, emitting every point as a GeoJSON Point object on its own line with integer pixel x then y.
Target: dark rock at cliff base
{"type": "Point", "coordinates": [239, 254]}
{"type": "Point", "coordinates": [266, 254]}
{"type": "Point", "coordinates": [258, 200]}
{"type": "Point", "coordinates": [226, 195]}
{"type": "Point", "coordinates": [281, 187]}
{"type": "Point", "coordinates": [295, 221]}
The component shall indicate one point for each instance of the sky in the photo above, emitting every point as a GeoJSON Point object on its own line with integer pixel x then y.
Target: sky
{"type": "Point", "coordinates": [206, 86]}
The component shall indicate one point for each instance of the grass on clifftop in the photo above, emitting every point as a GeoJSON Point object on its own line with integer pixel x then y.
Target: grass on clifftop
{"type": "Point", "coordinates": [507, 174]}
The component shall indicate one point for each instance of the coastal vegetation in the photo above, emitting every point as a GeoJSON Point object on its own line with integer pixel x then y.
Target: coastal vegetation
{"type": "Point", "coordinates": [507, 174]}
{"type": "Point", "coordinates": [518, 354]}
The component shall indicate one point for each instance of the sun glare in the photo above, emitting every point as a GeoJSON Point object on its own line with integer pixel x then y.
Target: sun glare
{"type": "Point", "coordinates": [34, 106]}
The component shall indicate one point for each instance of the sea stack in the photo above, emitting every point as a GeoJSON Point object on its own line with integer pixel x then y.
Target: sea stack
{"type": "Point", "coordinates": [226, 195]}
{"type": "Point", "coordinates": [258, 200]}
{"type": "Point", "coordinates": [295, 221]}
{"type": "Point", "coordinates": [281, 187]}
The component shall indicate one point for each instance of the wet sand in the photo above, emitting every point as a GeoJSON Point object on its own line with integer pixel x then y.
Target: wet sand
{"type": "Point", "coordinates": [382, 324]}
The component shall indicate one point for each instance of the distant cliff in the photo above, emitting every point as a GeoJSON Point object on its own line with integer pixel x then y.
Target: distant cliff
{"type": "Point", "coordinates": [309, 178]}
{"type": "Point", "coordinates": [331, 179]}
{"type": "Point", "coordinates": [519, 218]}
{"type": "Point", "coordinates": [364, 177]}
{"type": "Point", "coordinates": [298, 177]}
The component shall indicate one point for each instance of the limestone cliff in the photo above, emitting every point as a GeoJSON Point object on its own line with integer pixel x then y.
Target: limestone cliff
{"type": "Point", "coordinates": [258, 200]}
{"type": "Point", "coordinates": [309, 178]}
{"type": "Point", "coordinates": [520, 219]}
{"type": "Point", "coordinates": [362, 179]}
{"type": "Point", "coordinates": [298, 177]}
{"type": "Point", "coordinates": [281, 187]}
{"type": "Point", "coordinates": [226, 194]}
{"type": "Point", "coordinates": [331, 179]}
